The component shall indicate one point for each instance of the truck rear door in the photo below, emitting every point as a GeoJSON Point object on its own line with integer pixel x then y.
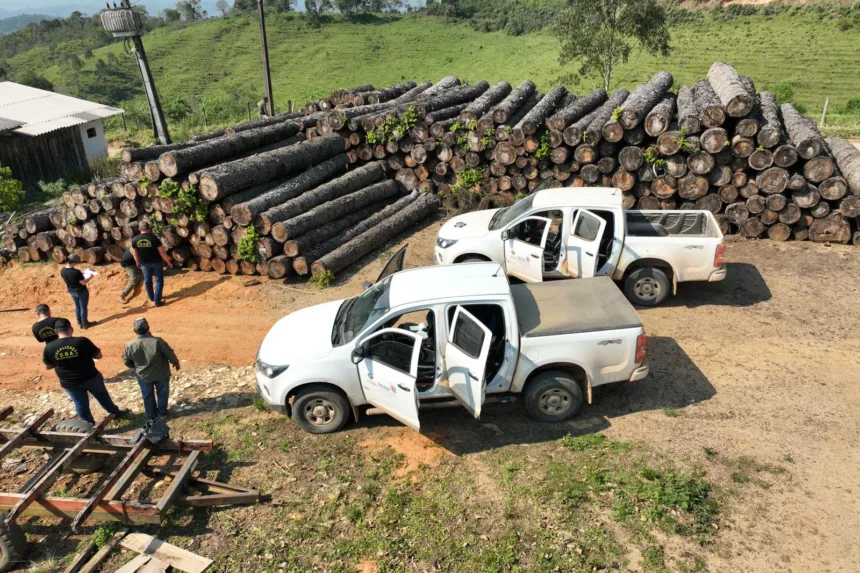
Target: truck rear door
{"type": "Point", "coordinates": [466, 353]}
{"type": "Point", "coordinates": [583, 245]}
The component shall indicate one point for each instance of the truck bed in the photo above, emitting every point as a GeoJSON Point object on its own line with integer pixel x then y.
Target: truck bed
{"type": "Point", "coordinates": [689, 223]}
{"type": "Point", "coordinates": [572, 306]}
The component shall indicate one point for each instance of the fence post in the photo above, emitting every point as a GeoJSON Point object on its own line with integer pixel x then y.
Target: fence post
{"type": "Point", "coordinates": [203, 111]}
{"type": "Point", "coordinates": [289, 106]}
{"type": "Point", "coordinates": [249, 112]}
{"type": "Point", "coordinates": [824, 111]}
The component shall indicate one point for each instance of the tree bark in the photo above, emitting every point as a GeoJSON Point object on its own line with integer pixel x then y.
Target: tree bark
{"type": "Point", "coordinates": [576, 110]}
{"type": "Point", "coordinates": [38, 222]}
{"type": "Point", "coordinates": [448, 113]}
{"type": "Point", "coordinates": [802, 132]}
{"type": "Point", "coordinates": [711, 110]}
{"type": "Point", "coordinates": [830, 229]}
{"type": "Point", "coordinates": [730, 89]}
{"type": "Point", "coordinates": [770, 134]}
{"type": "Point", "coordinates": [456, 96]}
{"type": "Point", "coordinates": [279, 267]}
{"type": "Point", "coordinates": [848, 159]}
{"type": "Point", "coordinates": [603, 114]}
{"type": "Point", "coordinates": [376, 236]}
{"type": "Point", "coordinates": [643, 99]}
{"type": "Point", "coordinates": [241, 174]}
{"type": "Point", "coordinates": [660, 117]}
{"type": "Point", "coordinates": [483, 103]}
{"type": "Point", "coordinates": [538, 115]}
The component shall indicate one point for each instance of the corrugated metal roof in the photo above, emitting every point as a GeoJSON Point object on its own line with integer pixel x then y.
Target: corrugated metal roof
{"type": "Point", "coordinates": [7, 124]}
{"type": "Point", "coordinates": [38, 111]}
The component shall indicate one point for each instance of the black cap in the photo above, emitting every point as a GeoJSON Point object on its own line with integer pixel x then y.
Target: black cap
{"type": "Point", "coordinates": [74, 258]}
{"type": "Point", "coordinates": [141, 326]}
{"type": "Point", "coordinates": [62, 324]}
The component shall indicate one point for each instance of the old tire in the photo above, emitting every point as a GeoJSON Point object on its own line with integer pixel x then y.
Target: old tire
{"type": "Point", "coordinates": [553, 396]}
{"type": "Point", "coordinates": [320, 410]}
{"type": "Point", "coordinates": [13, 544]}
{"type": "Point", "coordinates": [87, 463]}
{"type": "Point", "coordinates": [647, 286]}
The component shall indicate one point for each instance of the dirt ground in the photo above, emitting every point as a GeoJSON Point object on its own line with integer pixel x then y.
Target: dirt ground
{"type": "Point", "coordinates": [763, 366]}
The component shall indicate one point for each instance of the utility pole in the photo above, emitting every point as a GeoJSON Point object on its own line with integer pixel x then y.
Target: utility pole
{"type": "Point", "coordinates": [125, 22]}
{"type": "Point", "coordinates": [264, 46]}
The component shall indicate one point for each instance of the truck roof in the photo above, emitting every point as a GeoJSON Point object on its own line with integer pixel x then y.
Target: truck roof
{"type": "Point", "coordinates": [579, 196]}
{"type": "Point", "coordinates": [411, 286]}
{"type": "Point", "coordinates": [572, 306]}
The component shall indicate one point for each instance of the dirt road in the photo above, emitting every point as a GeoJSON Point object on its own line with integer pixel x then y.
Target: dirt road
{"type": "Point", "coordinates": [756, 380]}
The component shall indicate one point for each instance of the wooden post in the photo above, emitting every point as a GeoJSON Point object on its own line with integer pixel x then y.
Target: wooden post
{"type": "Point", "coordinates": [159, 125]}
{"type": "Point", "coordinates": [249, 111]}
{"type": "Point", "coordinates": [203, 111]}
{"type": "Point", "coordinates": [824, 111]}
{"type": "Point", "coordinates": [267, 76]}
{"type": "Point", "coordinates": [289, 106]}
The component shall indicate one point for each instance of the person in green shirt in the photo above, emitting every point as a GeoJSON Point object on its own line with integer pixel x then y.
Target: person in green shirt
{"type": "Point", "coordinates": [150, 358]}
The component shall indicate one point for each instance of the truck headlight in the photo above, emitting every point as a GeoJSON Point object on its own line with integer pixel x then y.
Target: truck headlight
{"type": "Point", "coordinates": [269, 370]}
{"type": "Point", "coordinates": [444, 243]}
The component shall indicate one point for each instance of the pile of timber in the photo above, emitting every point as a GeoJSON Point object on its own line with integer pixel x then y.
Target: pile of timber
{"type": "Point", "coordinates": [327, 184]}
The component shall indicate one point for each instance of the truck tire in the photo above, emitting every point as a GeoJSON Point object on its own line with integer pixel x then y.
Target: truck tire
{"type": "Point", "coordinates": [473, 259]}
{"type": "Point", "coordinates": [86, 463]}
{"type": "Point", "coordinates": [553, 396]}
{"type": "Point", "coordinates": [13, 543]}
{"type": "Point", "coordinates": [320, 410]}
{"type": "Point", "coordinates": [647, 286]}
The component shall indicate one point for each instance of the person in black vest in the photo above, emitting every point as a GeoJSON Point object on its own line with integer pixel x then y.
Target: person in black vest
{"type": "Point", "coordinates": [134, 277]}
{"type": "Point", "coordinates": [76, 284]}
{"type": "Point", "coordinates": [43, 330]}
{"type": "Point", "coordinates": [150, 258]}
{"type": "Point", "coordinates": [73, 358]}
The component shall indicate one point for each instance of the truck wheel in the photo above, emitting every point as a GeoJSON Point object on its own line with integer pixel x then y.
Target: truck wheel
{"type": "Point", "coordinates": [86, 463]}
{"type": "Point", "coordinates": [553, 397]}
{"type": "Point", "coordinates": [320, 410]}
{"type": "Point", "coordinates": [473, 259]}
{"type": "Point", "coordinates": [13, 543]}
{"type": "Point", "coordinates": [647, 286]}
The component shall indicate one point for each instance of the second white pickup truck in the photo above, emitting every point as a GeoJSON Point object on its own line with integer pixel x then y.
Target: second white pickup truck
{"type": "Point", "coordinates": [586, 232]}
{"type": "Point", "coordinates": [450, 335]}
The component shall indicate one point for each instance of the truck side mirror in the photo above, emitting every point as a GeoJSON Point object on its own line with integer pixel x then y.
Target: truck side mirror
{"type": "Point", "coordinates": [505, 235]}
{"type": "Point", "coordinates": [357, 354]}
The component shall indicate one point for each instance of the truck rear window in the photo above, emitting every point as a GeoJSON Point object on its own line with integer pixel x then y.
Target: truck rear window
{"type": "Point", "coordinates": [468, 337]}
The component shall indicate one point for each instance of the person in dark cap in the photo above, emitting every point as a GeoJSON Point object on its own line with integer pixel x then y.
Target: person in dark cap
{"type": "Point", "coordinates": [76, 284]}
{"type": "Point", "coordinates": [73, 358]}
{"type": "Point", "coordinates": [150, 357]}
{"type": "Point", "coordinates": [129, 265]}
{"type": "Point", "coordinates": [43, 330]}
{"type": "Point", "coordinates": [150, 257]}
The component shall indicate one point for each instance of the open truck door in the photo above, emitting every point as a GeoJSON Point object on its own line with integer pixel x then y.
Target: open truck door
{"type": "Point", "coordinates": [524, 259]}
{"type": "Point", "coordinates": [387, 363]}
{"type": "Point", "coordinates": [466, 354]}
{"type": "Point", "coordinates": [583, 244]}
{"type": "Point", "coordinates": [394, 264]}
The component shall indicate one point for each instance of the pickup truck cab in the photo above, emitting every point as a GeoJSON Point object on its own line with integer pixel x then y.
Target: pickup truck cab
{"type": "Point", "coordinates": [586, 232]}
{"type": "Point", "coordinates": [450, 335]}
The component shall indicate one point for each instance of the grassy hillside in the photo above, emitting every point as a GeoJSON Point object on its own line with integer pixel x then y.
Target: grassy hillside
{"type": "Point", "coordinates": [218, 61]}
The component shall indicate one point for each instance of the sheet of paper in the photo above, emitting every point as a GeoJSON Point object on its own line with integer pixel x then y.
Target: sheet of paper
{"type": "Point", "coordinates": [88, 273]}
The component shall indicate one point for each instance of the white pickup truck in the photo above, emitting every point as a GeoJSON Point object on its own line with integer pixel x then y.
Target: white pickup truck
{"type": "Point", "coordinates": [448, 335]}
{"type": "Point", "coordinates": [586, 232]}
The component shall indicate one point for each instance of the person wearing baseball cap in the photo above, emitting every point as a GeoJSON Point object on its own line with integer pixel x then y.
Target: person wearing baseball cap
{"type": "Point", "coordinates": [76, 284]}
{"type": "Point", "coordinates": [150, 358]}
{"type": "Point", "coordinates": [73, 359]}
{"type": "Point", "coordinates": [150, 257]}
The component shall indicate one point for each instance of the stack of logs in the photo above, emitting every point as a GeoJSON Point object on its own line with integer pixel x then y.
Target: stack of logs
{"type": "Point", "coordinates": [328, 184]}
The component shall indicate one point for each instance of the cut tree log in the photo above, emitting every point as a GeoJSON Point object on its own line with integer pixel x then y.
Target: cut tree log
{"type": "Point", "coordinates": [802, 131]}
{"type": "Point", "coordinates": [819, 168]}
{"type": "Point", "coordinates": [769, 134]}
{"type": "Point", "coordinates": [848, 159]}
{"type": "Point", "coordinates": [833, 188]}
{"type": "Point", "coordinates": [576, 110]}
{"type": "Point", "coordinates": [711, 110]}
{"type": "Point", "coordinates": [603, 114]}
{"type": "Point", "coordinates": [643, 99]}
{"type": "Point", "coordinates": [256, 169]}
{"type": "Point", "coordinates": [688, 113]}
{"type": "Point", "coordinates": [730, 89]}
{"type": "Point", "coordinates": [772, 180]}
{"type": "Point", "coordinates": [337, 229]}
{"type": "Point", "coordinates": [659, 118]}
{"type": "Point", "coordinates": [376, 236]}
{"type": "Point", "coordinates": [485, 102]}
{"type": "Point", "coordinates": [538, 115]}
{"type": "Point", "coordinates": [785, 156]}
{"type": "Point", "coordinates": [830, 229]}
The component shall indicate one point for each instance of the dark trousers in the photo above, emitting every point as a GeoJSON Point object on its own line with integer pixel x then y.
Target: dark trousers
{"type": "Point", "coordinates": [155, 395]}
{"type": "Point", "coordinates": [153, 271]}
{"type": "Point", "coordinates": [82, 299]}
{"type": "Point", "coordinates": [81, 399]}
{"type": "Point", "coordinates": [133, 280]}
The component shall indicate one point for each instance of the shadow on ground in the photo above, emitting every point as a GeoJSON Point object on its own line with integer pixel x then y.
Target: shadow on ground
{"type": "Point", "coordinates": [743, 286]}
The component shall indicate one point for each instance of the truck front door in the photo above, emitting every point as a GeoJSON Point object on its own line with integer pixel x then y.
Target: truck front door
{"type": "Point", "coordinates": [387, 363]}
{"type": "Point", "coordinates": [524, 246]}
{"type": "Point", "coordinates": [466, 353]}
{"type": "Point", "coordinates": [583, 244]}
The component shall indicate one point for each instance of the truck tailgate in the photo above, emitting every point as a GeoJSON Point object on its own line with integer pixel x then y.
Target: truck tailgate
{"type": "Point", "coordinates": [572, 306]}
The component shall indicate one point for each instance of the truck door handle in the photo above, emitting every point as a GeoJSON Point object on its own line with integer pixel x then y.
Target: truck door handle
{"type": "Point", "coordinates": [535, 256]}
{"type": "Point", "coordinates": [473, 377]}
{"type": "Point", "coordinates": [404, 388]}
{"type": "Point", "coordinates": [589, 254]}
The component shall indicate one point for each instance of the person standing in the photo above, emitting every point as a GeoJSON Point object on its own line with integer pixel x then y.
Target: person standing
{"type": "Point", "coordinates": [150, 258]}
{"type": "Point", "coordinates": [263, 107]}
{"type": "Point", "coordinates": [73, 358]}
{"type": "Point", "coordinates": [43, 330]}
{"type": "Point", "coordinates": [76, 284]}
{"type": "Point", "coordinates": [128, 263]}
{"type": "Point", "coordinates": [150, 357]}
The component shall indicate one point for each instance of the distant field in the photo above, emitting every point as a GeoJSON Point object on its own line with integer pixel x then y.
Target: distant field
{"type": "Point", "coordinates": [221, 57]}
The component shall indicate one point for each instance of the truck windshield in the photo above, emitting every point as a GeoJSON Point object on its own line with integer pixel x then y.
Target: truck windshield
{"type": "Point", "coordinates": [508, 215]}
{"type": "Point", "coordinates": [357, 313]}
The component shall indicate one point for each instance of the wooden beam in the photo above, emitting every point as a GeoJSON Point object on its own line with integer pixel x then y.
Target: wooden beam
{"type": "Point", "coordinates": [128, 478]}
{"type": "Point", "coordinates": [100, 444]}
{"type": "Point", "coordinates": [6, 412]}
{"type": "Point", "coordinates": [175, 487]}
{"type": "Point", "coordinates": [154, 565]}
{"type": "Point", "coordinates": [134, 565]}
{"type": "Point", "coordinates": [46, 467]}
{"type": "Point", "coordinates": [174, 556]}
{"type": "Point", "coordinates": [199, 482]}
{"type": "Point", "coordinates": [49, 478]}
{"type": "Point", "coordinates": [132, 511]}
{"type": "Point", "coordinates": [245, 498]}
{"type": "Point", "coordinates": [107, 486]}
{"type": "Point", "coordinates": [80, 558]}
{"type": "Point", "coordinates": [93, 564]}
{"type": "Point", "coordinates": [10, 446]}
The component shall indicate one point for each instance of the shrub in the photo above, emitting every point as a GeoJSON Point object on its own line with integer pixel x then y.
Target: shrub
{"type": "Point", "coordinates": [105, 167]}
{"type": "Point", "coordinates": [11, 190]}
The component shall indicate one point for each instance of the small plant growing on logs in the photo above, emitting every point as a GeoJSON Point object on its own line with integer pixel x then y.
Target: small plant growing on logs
{"type": "Point", "coordinates": [248, 245]}
{"type": "Point", "coordinates": [543, 151]}
{"type": "Point", "coordinates": [323, 279]}
{"type": "Point", "coordinates": [370, 138]}
{"type": "Point", "coordinates": [520, 195]}
{"type": "Point", "coordinates": [488, 138]}
{"type": "Point", "coordinates": [652, 157]}
{"type": "Point", "coordinates": [144, 181]}
{"type": "Point", "coordinates": [616, 114]}
{"type": "Point", "coordinates": [157, 226]}
{"type": "Point", "coordinates": [186, 202]}
{"type": "Point", "coordinates": [469, 179]}
{"type": "Point", "coordinates": [681, 141]}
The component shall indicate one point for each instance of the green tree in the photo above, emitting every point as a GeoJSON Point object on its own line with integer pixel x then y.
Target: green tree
{"type": "Point", "coordinates": [32, 79]}
{"type": "Point", "coordinates": [171, 15]}
{"type": "Point", "coordinates": [11, 190]}
{"type": "Point", "coordinates": [190, 10]}
{"type": "Point", "coordinates": [598, 35]}
{"type": "Point", "coordinates": [224, 7]}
